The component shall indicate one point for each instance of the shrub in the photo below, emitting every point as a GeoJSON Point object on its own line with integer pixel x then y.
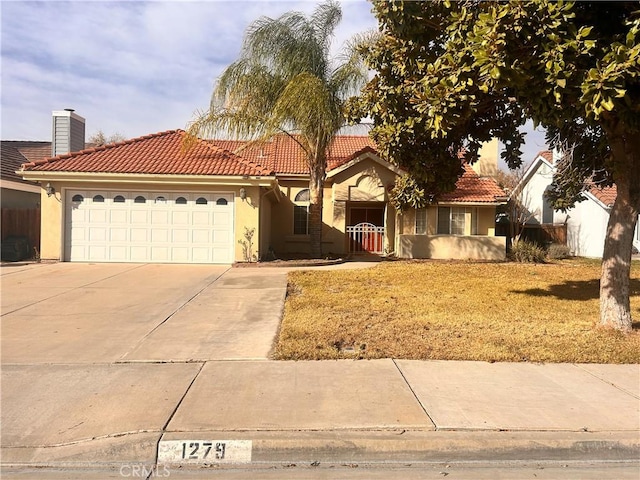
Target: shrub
{"type": "Point", "coordinates": [558, 252]}
{"type": "Point", "coordinates": [527, 252]}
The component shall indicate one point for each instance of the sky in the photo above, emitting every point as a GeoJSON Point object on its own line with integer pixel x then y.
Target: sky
{"type": "Point", "coordinates": [134, 67]}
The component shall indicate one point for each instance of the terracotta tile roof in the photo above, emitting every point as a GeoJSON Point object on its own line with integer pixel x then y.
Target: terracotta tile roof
{"type": "Point", "coordinates": [606, 195]}
{"type": "Point", "coordinates": [285, 157]}
{"type": "Point", "coordinates": [160, 153]}
{"type": "Point", "coordinates": [16, 152]}
{"type": "Point", "coordinates": [472, 188]}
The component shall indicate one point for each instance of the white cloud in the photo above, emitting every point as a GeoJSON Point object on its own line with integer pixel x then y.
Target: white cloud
{"type": "Point", "coordinates": [132, 67]}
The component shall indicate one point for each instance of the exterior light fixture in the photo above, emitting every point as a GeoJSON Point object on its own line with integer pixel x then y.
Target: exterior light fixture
{"type": "Point", "coordinates": [49, 189]}
{"type": "Point", "coordinates": [243, 193]}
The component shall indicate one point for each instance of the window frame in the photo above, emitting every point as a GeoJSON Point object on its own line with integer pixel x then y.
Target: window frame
{"type": "Point", "coordinates": [423, 229]}
{"type": "Point", "coordinates": [301, 204]}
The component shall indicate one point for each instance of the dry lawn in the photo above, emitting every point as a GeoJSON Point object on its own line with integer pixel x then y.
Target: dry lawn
{"type": "Point", "coordinates": [455, 311]}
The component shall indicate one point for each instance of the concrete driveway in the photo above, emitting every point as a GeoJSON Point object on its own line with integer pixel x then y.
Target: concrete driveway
{"type": "Point", "coordinates": [106, 313]}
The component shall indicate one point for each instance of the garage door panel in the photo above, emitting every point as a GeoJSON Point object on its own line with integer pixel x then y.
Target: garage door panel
{"type": "Point", "coordinates": [159, 235]}
{"type": "Point", "coordinates": [98, 216]}
{"type": "Point", "coordinates": [159, 217]}
{"type": "Point", "coordinates": [118, 216]}
{"type": "Point", "coordinates": [97, 253]}
{"type": "Point", "coordinates": [180, 218]}
{"type": "Point", "coordinates": [97, 234]}
{"type": "Point", "coordinates": [118, 253]}
{"type": "Point", "coordinates": [149, 227]}
{"type": "Point", "coordinates": [179, 235]}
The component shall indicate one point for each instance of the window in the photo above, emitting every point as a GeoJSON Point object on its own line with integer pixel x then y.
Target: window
{"type": "Point", "coordinates": [161, 199]}
{"type": "Point", "coordinates": [301, 213]}
{"type": "Point", "coordinates": [181, 201]}
{"type": "Point", "coordinates": [118, 199]}
{"type": "Point", "coordinates": [139, 199]}
{"type": "Point", "coordinates": [453, 220]}
{"type": "Point", "coordinates": [221, 201]}
{"type": "Point", "coordinates": [421, 221]}
{"type": "Point", "coordinates": [77, 198]}
{"type": "Point", "coordinates": [98, 199]}
{"type": "Point", "coordinates": [201, 201]}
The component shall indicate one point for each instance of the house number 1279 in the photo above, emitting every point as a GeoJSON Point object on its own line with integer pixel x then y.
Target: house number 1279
{"type": "Point", "coordinates": [201, 451]}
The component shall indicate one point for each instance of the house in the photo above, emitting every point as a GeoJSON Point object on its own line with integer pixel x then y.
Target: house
{"type": "Point", "coordinates": [586, 223]}
{"type": "Point", "coordinates": [149, 200]}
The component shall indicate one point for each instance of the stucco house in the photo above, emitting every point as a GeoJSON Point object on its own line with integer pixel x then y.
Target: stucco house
{"type": "Point", "coordinates": [586, 222]}
{"type": "Point", "coordinates": [149, 200]}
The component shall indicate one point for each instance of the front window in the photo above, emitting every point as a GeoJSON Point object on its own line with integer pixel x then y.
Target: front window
{"type": "Point", "coordinates": [301, 213]}
{"type": "Point", "coordinates": [453, 220]}
{"type": "Point", "coordinates": [421, 221]}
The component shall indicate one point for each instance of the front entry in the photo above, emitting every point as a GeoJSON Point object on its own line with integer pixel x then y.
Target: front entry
{"type": "Point", "coordinates": [366, 229]}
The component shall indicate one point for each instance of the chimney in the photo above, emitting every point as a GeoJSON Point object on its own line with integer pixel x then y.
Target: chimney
{"type": "Point", "coordinates": [487, 164]}
{"type": "Point", "coordinates": [68, 132]}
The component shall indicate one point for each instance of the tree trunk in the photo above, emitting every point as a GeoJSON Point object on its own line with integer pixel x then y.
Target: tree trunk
{"type": "Point", "coordinates": [316, 194]}
{"type": "Point", "coordinates": [615, 308]}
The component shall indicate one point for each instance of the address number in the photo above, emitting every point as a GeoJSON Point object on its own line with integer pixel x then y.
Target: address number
{"type": "Point", "coordinates": [202, 451]}
{"type": "Point", "coordinates": [199, 451]}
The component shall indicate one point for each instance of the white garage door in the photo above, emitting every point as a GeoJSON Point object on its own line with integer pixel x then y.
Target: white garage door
{"type": "Point", "coordinates": [120, 226]}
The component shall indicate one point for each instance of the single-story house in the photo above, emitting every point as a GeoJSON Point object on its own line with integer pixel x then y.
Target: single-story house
{"type": "Point", "coordinates": [149, 200]}
{"type": "Point", "coordinates": [586, 222]}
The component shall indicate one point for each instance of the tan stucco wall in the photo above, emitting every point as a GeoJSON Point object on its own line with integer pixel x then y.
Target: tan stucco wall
{"type": "Point", "coordinates": [246, 217]}
{"type": "Point", "coordinates": [52, 213]}
{"type": "Point", "coordinates": [452, 247]}
{"type": "Point", "coordinates": [51, 219]}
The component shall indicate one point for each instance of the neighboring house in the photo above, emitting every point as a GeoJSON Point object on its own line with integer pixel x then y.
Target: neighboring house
{"type": "Point", "coordinates": [19, 198]}
{"type": "Point", "coordinates": [149, 200]}
{"type": "Point", "coordinates": [15, 191]}
{"type": "Point", "coordinates": [586, 222]}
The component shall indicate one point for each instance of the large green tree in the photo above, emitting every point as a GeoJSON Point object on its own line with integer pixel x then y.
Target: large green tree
{"type": "Point", "coordinates": [451, 75]}
{"type": "Point", "coordinates": [287, 82]}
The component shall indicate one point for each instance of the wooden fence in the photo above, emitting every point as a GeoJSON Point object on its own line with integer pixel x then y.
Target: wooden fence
{"type": "Point", "coordinates": [546, 233]}
{"type": "Point", "coordinates": [22, 222]}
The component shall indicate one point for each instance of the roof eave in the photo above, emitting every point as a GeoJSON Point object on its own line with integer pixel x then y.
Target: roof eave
{"type": "Point", "coordinates": [170, 179]}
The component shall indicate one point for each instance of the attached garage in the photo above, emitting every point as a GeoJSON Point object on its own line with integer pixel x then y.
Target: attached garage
{"type": "Point", "coordinates": [146, 226]}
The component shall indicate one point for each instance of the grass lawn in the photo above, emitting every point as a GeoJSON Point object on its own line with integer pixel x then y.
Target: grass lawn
{"type": "Point", "coordinates": [455, 311]}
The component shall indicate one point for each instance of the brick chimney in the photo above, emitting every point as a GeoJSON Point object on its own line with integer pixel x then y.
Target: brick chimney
{"type": "Point", "coordinates": [67, 132]}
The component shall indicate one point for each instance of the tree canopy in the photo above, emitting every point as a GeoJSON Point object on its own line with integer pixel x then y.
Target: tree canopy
{"type": "Point", "coordinates": [286, 81]}
{"type": "Point", "coordinates": [451, 75]}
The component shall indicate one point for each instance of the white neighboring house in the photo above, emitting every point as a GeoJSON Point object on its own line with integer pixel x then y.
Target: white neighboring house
{"type": "Point", "coordinates": [586, 222]}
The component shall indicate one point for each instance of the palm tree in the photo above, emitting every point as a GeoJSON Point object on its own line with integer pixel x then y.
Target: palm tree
{"type": "Point", "coordinates": [285, 81]}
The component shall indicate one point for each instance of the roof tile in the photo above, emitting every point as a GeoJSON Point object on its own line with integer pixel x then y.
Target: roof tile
{"type": "Point", "coordinates": [160, 153]}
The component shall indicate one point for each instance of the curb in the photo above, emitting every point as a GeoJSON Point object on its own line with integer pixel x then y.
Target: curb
{"type": "Point", "coordinates": [314, 447]}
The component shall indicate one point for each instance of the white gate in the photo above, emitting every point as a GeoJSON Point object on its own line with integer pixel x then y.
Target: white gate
{"type": "Point", "coordinates": [365, 238]}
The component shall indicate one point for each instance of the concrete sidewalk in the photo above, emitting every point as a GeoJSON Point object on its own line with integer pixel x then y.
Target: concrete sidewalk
{"type": "Point", "coordinates": [112, 365]}
{"type": "Point", "coordinates": [382, 410]}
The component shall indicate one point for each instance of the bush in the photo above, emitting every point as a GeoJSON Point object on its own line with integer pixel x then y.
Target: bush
{"type": "Point", "coordinates": [527, 252]}
{"type": "Point", "coordinates": [558, 252]}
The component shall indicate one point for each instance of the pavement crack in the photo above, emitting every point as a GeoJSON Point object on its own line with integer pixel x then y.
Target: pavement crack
{"type": "Point", "coordinates": [82, 440]}
{"type": "Point", "coordinates": [414, 394]}
{"type": "Point", "coordinates": [70, 290]}
{"type": "Point", "coordinates": [164, 428]}
{"type": "Point", "coordinates": [183, 305]}
{"type": "Point", "coordinates": [606, 381]}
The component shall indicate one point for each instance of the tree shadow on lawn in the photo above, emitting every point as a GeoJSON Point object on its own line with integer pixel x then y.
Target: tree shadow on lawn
{"type": "Point", "coordinates": [580, 290]}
